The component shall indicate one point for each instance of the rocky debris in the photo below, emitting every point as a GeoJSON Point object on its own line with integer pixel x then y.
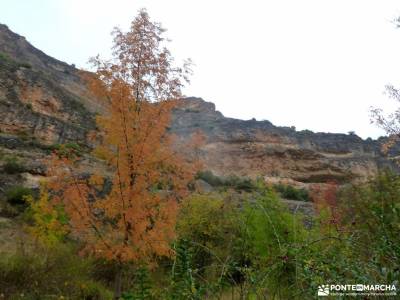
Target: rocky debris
{"type": "Point", "coordinates": [203, 187]}
{"type": "Point", "coordinates": [301, 207]}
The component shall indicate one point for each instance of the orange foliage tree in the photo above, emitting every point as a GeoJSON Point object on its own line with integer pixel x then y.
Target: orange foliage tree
{"type": "Point", "coordinates": [134, 220]}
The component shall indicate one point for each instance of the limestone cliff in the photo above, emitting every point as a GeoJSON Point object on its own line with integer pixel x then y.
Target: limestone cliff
{"type": "Point", "coordinates": [258, 148]}
{"type": "Point", "coordinates": [43, 102]}
{"type": "Point", "coordinates": [40, 97]}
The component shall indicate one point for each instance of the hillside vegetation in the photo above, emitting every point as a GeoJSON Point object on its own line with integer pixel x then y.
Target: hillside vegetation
{"type": "Point", "coordinates": [224, 249]}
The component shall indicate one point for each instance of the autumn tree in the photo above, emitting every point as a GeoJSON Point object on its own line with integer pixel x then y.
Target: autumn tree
{"type": "Point", "coordinates": [134, 221]}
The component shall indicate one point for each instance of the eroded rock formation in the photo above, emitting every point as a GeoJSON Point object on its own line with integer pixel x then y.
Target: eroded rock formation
{"type": "Point", "coordinates": [44, 102]}
{"type": "Point", "coordinates": [258, 148]}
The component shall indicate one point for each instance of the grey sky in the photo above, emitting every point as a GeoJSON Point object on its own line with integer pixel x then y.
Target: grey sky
{"type": "Point", "coordinates": [313, 64]}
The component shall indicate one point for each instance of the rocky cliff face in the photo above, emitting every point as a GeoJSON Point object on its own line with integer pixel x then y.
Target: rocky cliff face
{"type": "Point", "coordinates": [40, 97]}
{"type": "Point", "coordinates": [258, 148]}
{"type": "Point", "coordinates": [43, 102]}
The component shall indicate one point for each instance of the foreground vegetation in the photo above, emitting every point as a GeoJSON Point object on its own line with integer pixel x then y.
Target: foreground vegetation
{"type": "Point", "coordinates": [225, 249]}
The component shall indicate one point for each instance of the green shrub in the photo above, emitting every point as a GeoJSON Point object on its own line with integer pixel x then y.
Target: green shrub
{"type": "Point", "coordinates": [240, 184]}
{"type": "Point", "coordinates": [184, 284]}
{"type": "Point", "coordinates": [49, 273]}
{"type": "Point", "coordinates": [18, 194]}
{"type": "Point", "coordinates": [5, 58]}
{"type": "Point", "coordinates": [13, 166]}
{"type": "Point", "coordinates": [371, 212]}
{"type": "Point", "coordinates": [68, 150]}
{"type": "Point", "coordinates": [290, 192]}
{"type": "Point", "coordinates": [142, 286]}
{"type": "Point", "coordinates": [25, 65]}
{"type": "Point", "coordinates": [270, 237]}
{"type": "Point", "coordinates": [210, 178]}
{"type": "Point", "coordinates": [232, 181]}
{"type": "Point", "coordinates": [208, 228]}
{"type": "Point", "coordinates": [357, 240]}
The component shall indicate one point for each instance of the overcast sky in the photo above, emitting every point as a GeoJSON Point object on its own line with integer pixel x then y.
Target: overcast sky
{"type": "Point", "coordinates": [313, 64]}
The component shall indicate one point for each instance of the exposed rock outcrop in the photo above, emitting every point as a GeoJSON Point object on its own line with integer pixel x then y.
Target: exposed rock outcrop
{"type": "Point", "coordinates": [44, 102]}
{"type": "Point", "coordinates": [41, 97]}
{"type": "Point", "coordinates": [258, 148]}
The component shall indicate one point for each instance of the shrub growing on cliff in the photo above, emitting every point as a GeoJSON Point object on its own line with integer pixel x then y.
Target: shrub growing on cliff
{"type": "Point", "coordinates": [232, 181]}
{"type": "Point", "coordinates": [210, 178]}
{"type": "Point", "coordinates": [68, 149]}
{"type": "Point", "coordinates": [13, 166]}
{"type": "Point", "coordinates": [18, 195]}
{"type": "Point", "coordinates": [290, 192]}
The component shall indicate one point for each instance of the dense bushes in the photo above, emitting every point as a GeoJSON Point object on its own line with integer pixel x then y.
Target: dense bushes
{"type": "Point", "coordinates": [229, 247]}
{"type": "Point", "coordinates": [249, 185]}
{"type": "Point", "coordinates": [244, 247]}
{"type": "Point", "coordinates": [37, 272]}
{"type": "Point", "coordinates": [372, 213]}
{"type": "Point", "coordinates": [269, 253]}
{"type": "Point", "coordinates": [210, 225]}
{"type": "Point", "coordinates": [210, 178]}
{"type": "Point", "coordinates": [13, 166]}
{"type": "Point", "coordinates": [11, 62]}
{"type": "Point", "coordinates": [17, 194]}
{"type": "Point", "coordinates": [67, 150]}
{"type": "Point", "coordinates": [290, 192]}
{"type": "Point", "coordinates": [232, 181]}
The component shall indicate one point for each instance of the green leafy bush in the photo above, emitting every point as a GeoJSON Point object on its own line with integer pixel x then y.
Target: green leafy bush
{"type": "Point", "coordinates": [250, 245]}
{"type": "Point", "coordinates": [270, 237]}
{"type": "Point", "coordinates": [141, 289]}
{"type": "Point", "coordinates": [184, 284]}
{"type": "Point", "coordinates": [67, 150]}
{"type": "Point", "coordinates": [18, 194]}
{"type": "Point", "coordinates": [355, 241]}
{"type": "Point", "coordinates": [210, 178]}
{"type": "Point", "coordinates": [260, 250]}
{"type": "Point", "coordinates": [5, 58]}
{"type": "Point", "coordinates": [371, 212]}
{"type": "Point", "coordinates": [232, 181]}
{"type": "Point", "coordinates": [208, 232]}
{"type": "Point", "coordinates": [239, 184]}
{"type": "Point", "coordinates": [290, 192]}
{"type": "Point", "coordinates": [13, 166]}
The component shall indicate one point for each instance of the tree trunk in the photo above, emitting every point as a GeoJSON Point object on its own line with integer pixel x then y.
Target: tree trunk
{"type": "Point", "coordinates": [118, 283]}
